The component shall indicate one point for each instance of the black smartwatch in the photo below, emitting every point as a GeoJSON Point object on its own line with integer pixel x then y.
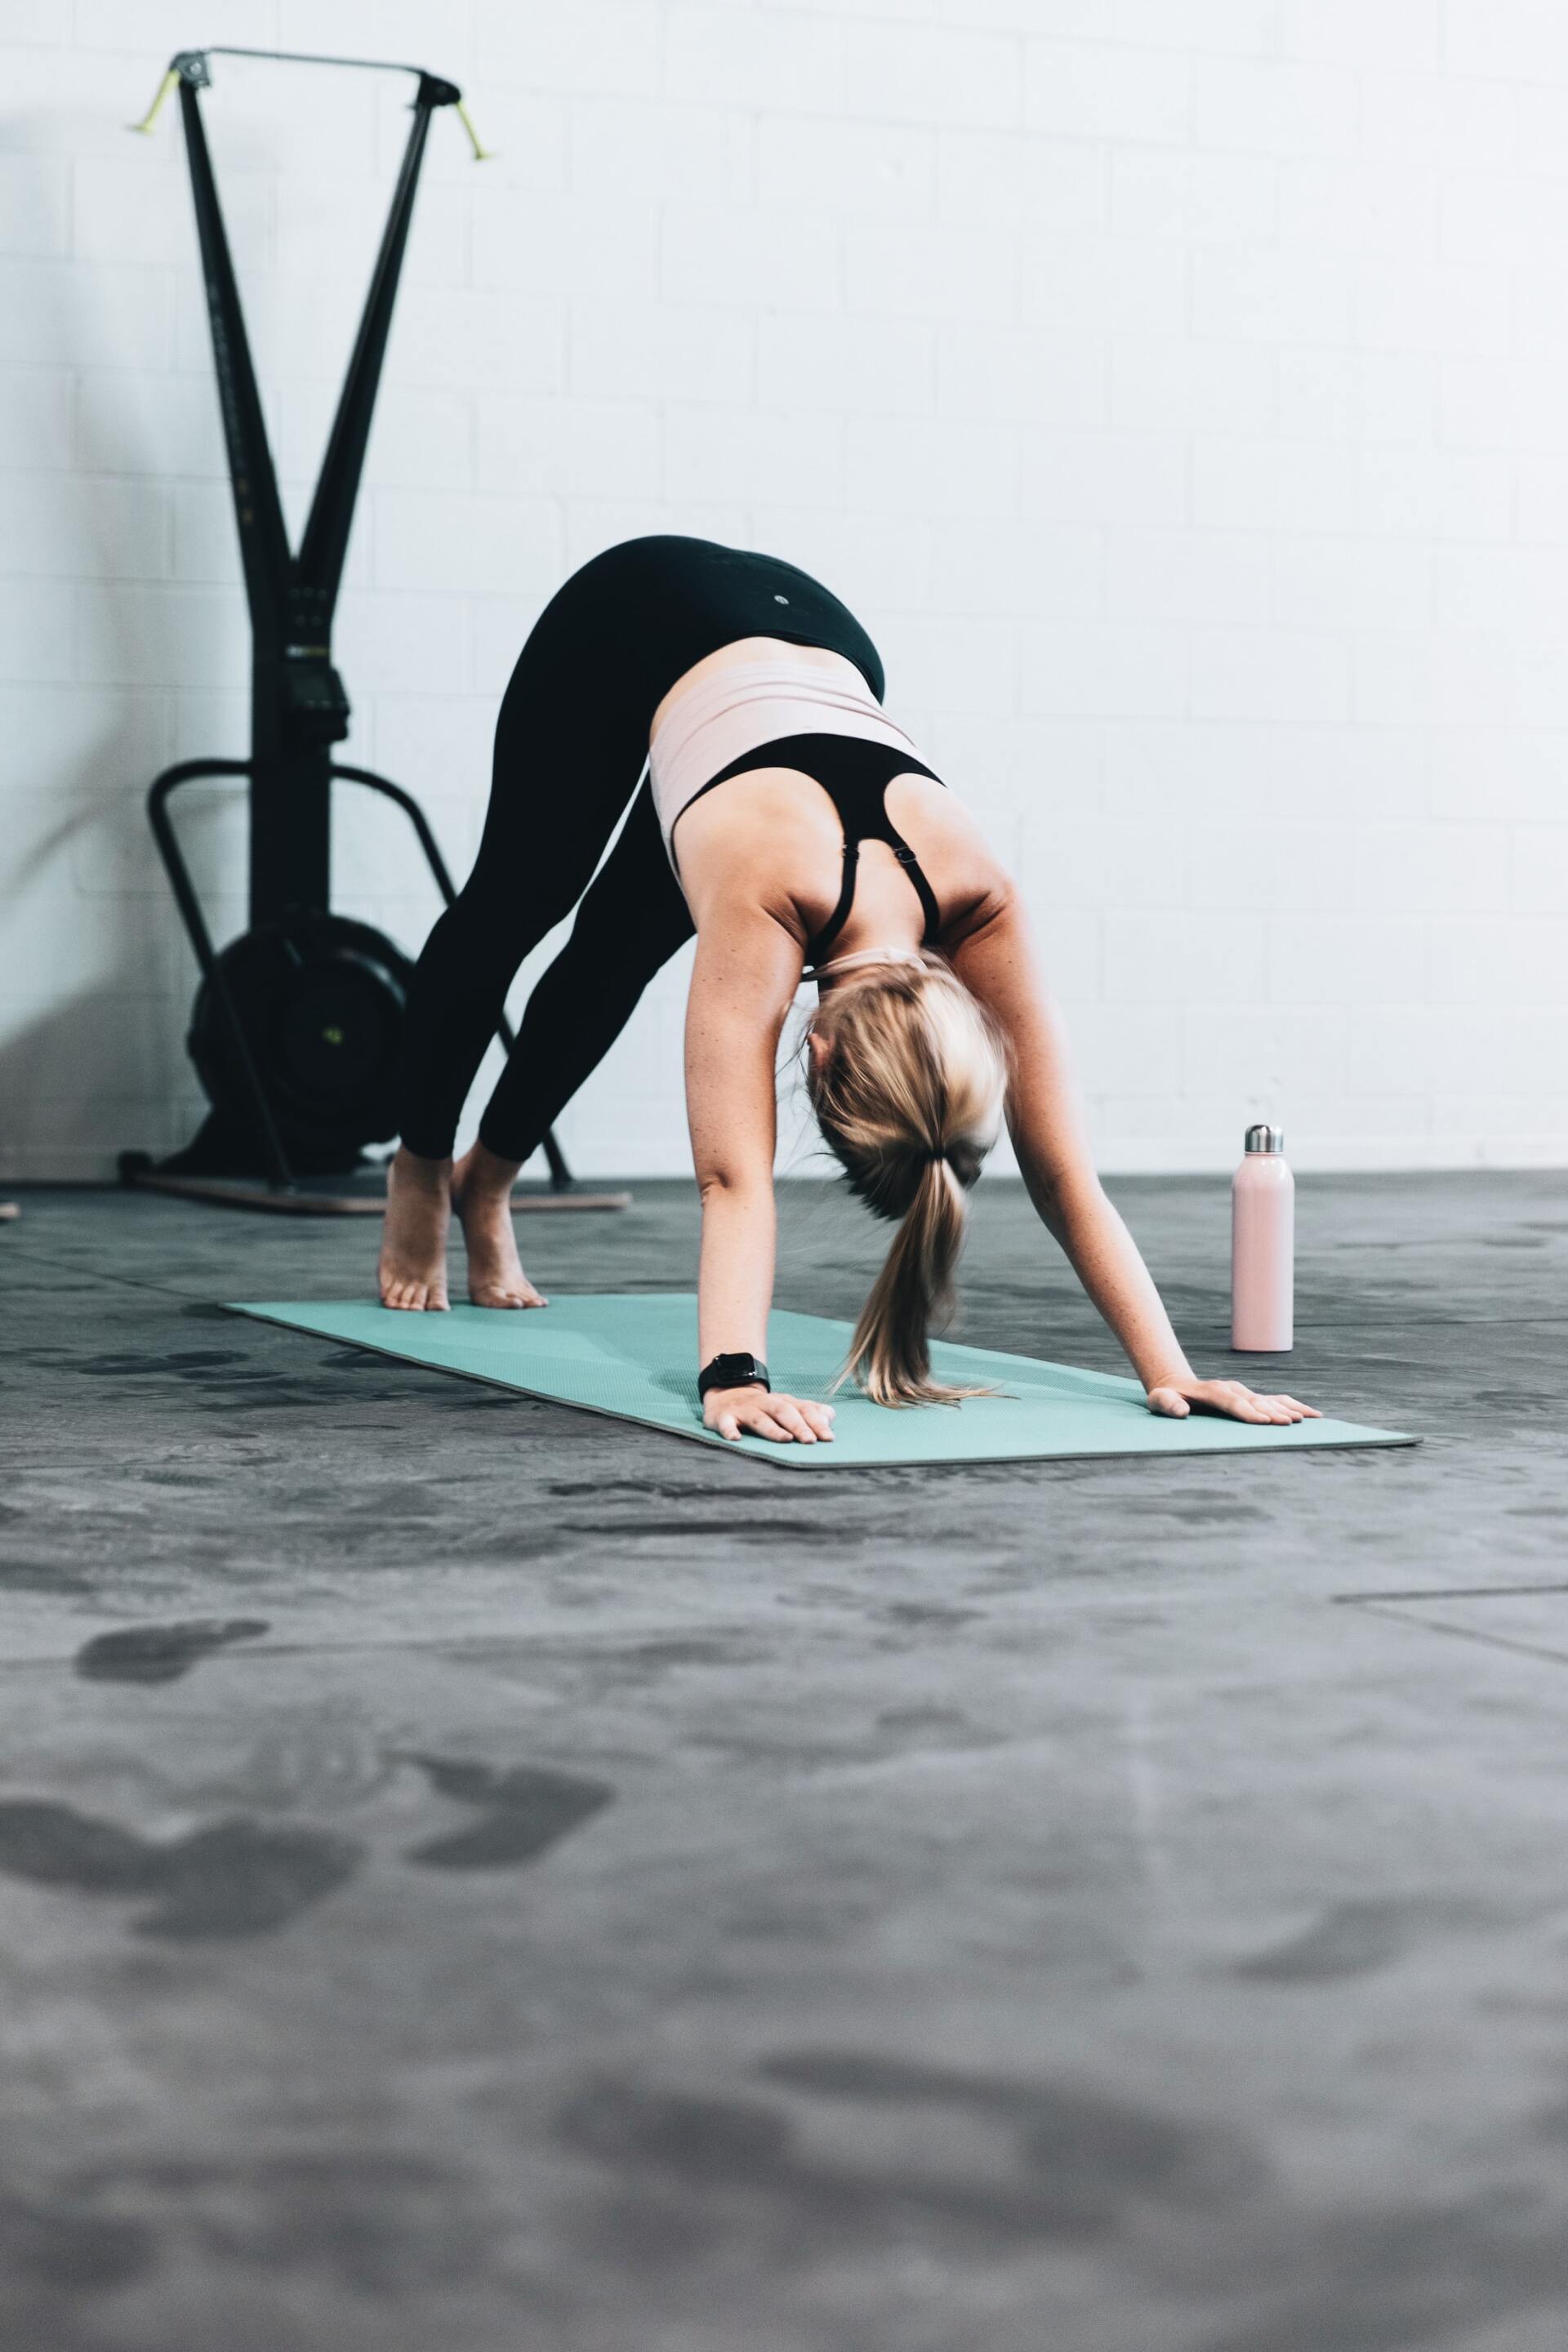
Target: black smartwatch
{"type": "Point", "coordinates": [732, 1372]}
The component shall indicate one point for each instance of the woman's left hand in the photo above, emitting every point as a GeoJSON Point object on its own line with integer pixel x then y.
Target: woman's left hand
{"type": "Point", "coordinates": [1232, 1400]}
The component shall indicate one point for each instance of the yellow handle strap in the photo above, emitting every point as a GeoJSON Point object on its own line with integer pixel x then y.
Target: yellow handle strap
{"type": "Point", "coordinates": [481, 154]}
{"type": "Point", "coordinates": [148, 120]}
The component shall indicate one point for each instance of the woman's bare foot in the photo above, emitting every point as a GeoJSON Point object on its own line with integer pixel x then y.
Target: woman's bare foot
{"type": "Point", "coordinates": [481, 1194]}
{"type": "Point", "coordinates": [413, 1269]}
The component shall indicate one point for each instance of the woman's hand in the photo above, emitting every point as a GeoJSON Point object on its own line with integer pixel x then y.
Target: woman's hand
{"type": "Point", "coordinates": [1232, 1400]}
{"type": "Point", "coordinates": [757, 1412]}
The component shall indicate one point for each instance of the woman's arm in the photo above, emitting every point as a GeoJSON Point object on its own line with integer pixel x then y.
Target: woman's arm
{"type": "Point", "coordinates": [747, 971]}
{"type": "Point", "coordinates": [998, 962]}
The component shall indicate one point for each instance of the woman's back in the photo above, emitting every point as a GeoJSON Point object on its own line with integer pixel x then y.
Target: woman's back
{"type": "Point", "coordinates": [777, 837]}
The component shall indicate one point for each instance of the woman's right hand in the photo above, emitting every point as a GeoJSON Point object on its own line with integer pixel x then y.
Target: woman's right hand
{"type": "Point", "coordinates": [759, 1413]}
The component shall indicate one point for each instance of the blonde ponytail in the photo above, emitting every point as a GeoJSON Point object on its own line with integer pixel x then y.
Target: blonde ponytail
{"type": "Point", "coordinates": [906, 1076]}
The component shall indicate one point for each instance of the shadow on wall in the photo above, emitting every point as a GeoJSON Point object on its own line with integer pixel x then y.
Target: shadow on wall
{"type": "Point", "coordinates": [91, 1045]}
{"type": "Point", "coordinates": [128, 506]}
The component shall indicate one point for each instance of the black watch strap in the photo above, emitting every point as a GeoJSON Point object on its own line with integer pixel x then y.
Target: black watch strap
{"type": "Point", "coordinates": [732, 1372]}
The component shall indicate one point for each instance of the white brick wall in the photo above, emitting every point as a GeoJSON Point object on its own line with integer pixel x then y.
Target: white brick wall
{"type": "Point", "coordinates": [1178, 387]}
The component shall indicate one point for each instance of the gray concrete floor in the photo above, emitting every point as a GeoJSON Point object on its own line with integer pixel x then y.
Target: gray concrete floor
{"type": "Point", "coordinates": [479, 1878]}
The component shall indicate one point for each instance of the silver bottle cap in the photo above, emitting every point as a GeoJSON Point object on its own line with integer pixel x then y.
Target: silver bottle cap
{"type": "Point", "coordinates": [1264, 1138]}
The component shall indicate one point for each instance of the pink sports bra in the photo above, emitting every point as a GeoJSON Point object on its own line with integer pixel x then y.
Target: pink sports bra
{"type": "Point", "coordinates": [738, 709]}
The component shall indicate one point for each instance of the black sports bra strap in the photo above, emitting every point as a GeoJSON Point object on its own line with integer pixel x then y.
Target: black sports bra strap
{"type": "Point", "coordinates": [817, 949]}
{"type": "Point", "coordinates": [916, 872]}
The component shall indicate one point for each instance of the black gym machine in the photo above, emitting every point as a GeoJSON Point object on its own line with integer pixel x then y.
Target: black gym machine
{"type": "Point", "coordinates": [295, 1026]}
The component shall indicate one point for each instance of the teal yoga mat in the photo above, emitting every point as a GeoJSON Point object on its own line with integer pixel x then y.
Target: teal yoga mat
{"type": "Point", "coordinates": [632, 1356]}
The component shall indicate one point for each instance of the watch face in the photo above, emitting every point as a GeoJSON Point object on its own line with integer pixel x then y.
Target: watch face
{"type": "Point", "coordinates": [733, 1372]}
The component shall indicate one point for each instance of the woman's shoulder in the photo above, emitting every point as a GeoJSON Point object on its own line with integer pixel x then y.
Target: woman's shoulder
{"type": "Point", "coordinates": [928, 805]}
{"type": "Point", "coordinates": [753, 839]}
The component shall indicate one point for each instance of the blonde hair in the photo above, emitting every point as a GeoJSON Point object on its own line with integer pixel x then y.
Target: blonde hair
{"type": "Point", "coordinates": [907, 1083]}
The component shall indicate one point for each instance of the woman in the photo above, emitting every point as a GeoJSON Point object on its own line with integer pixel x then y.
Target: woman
{"type": "Point", "coordinates": [705, 664]}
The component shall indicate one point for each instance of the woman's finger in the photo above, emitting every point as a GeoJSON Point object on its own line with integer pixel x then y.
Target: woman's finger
{"type": "Point", "coordinates": [1235, 1399]}
{"type": "Point", "coordinates": [818, 1418]}
{"type": "Point", "coordinates": [786, 1412]}
{"type": "Point", "coordinates": [762, 1424]}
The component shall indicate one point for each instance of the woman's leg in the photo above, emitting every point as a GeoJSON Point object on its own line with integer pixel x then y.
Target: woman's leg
{"type": "Point", "coordinates": [631, 922]}
{"type": "Point", "coordinates": [571, 741]}
{"type": "Point", "coordinates": [559, 786]}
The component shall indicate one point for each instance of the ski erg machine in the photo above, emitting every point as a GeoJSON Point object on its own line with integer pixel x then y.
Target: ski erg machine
{"type": "Point", "coordinates": [295, 1027]}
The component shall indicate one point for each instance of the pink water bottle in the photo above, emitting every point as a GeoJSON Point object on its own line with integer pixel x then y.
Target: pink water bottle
{"type": "Point", "coordinates": [1263, 1246]}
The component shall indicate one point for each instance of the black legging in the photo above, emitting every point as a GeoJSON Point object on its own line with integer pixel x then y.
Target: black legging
{"type": "Point", "coordinates": [571, 741]}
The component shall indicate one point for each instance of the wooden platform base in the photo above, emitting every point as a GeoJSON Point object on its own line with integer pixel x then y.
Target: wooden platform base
{"type": "Point", "coordinates": [236, 1192]}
